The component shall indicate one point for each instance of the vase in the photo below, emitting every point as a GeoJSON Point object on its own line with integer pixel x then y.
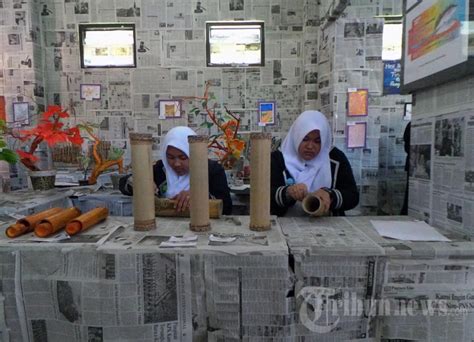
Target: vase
{"type": "Point", "coordinates": [42, 180]}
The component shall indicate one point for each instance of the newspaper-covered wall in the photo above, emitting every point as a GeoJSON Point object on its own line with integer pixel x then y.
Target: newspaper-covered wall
{"type": "Point", "coordinates": [356, 63]}
{"type": "Point", "coordinates": [441, 187]}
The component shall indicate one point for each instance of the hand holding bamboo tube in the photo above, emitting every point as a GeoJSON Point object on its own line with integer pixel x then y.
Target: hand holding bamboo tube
{"type": "Point", "coordinates": [28, 223]}
{"type": "Point", "coordinates": [56, 222]}
{"type": "Point", "coordinates": [87, 220]}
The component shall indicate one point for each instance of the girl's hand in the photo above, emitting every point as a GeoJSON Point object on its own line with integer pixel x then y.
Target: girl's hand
{"type": "Point", "coordinates": [182, 200]}
{"type": "Point", "coordinates": [297, 191]}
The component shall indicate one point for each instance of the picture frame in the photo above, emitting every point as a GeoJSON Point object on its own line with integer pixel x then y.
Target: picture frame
{"type": "Point", "coordinates": [21, 113]}
{"type": "Point", "coordinates": [357, 102]}
{"type": "Point", "coordinates": [169, 109]}
{"type": "Point", "coordinates": [266, 113]}
{"type": "Point", "coordinates": [90, 92]}
{"type": "Point", "coordinates": [356, 134]}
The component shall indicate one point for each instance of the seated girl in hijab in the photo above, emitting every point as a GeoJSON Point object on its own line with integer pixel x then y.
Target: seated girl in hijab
{"type": "Point", "coordinates": [306, 163]}
{"type": "Point", "coordinates": [171, 173]}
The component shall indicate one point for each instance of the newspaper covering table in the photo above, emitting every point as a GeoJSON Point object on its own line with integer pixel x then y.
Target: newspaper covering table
{"type": "Point", "coordinates": [112, 283]}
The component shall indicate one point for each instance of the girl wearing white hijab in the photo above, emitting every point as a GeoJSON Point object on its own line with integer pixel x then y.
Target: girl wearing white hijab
{"type": "Point", "coordinates": [306, 164]}
{"type": "Point", "coordinates": [171, 173]}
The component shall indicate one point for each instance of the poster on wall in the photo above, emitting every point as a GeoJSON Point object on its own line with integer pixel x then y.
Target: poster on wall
{"type": "Point", "coordinates": [266, 113]}
{"type": "Point", "coordinates": [391, 77]}
{"type": "Point", "coordinates": [435, 37]}
{"type": "Point", "coordinates": [356, 134]}
{"type": "Point", "coordinates": [357, 102]}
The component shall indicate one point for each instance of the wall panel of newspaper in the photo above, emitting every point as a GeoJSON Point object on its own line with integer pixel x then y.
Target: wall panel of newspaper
{"type": "Point", "coordinates": [356, 63]}
{"type": "Point", "coordinates": [441, 188]}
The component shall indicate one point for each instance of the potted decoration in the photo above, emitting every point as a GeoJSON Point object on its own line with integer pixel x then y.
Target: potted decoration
{"type": "Point", "coordinates": [51, 130]}
{"type": "Point", "coordinates": [5, 153]}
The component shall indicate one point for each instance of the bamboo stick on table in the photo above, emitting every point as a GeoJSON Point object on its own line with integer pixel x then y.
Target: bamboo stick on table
{"type": "Point", "coordinates": [87, 220]}
{"type": "Point", "coordinates": [56, 222]}
{"type": "Point", "coordinates": [28, 223]}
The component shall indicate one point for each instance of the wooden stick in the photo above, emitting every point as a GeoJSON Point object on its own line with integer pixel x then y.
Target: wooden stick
{"type": "Point", "coordinates": [165, 207]}
{"type": "Point", "coordinates": [260, 181]}
{"type": "Point", "coordinates": [28, 223]}
{"type": "Point", "coordinates": [87, 220]}
{"type": "Point", "coordinates": [199, 183]}
{"type": "Point", "coordinates": [143, 185]}
{"type": "Point", "coordinates": [56, 222]}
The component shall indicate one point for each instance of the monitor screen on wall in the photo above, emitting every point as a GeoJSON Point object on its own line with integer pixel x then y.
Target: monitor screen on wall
{"type": "Point", "coordinates": [235, 43]}
{"type": "Point", "coordinates": [107, 45]}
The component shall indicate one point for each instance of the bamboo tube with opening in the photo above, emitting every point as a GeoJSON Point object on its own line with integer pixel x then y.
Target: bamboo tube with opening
{"type": "Point", "coordinates": [87, 220]}
{"type": "Point", "coordinates": [312, 205]}
{"type": "Point", "coordinates": [143, 187]}
{"type": "Point", "coordinates": [260, 144]}
{"type": "Point", "coordinates": [52, 224]}
{"type": "Point", "coordinates": [28, 223]}
{"type": "Point", "coordinates": [199, 183]}
{"type": "Point", "coordinates": [165, 207]}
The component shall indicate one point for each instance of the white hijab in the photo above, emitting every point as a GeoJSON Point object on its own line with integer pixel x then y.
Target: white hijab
{"type": "Point", "coordinates": [178, 138]}
{"type": "Point", "coordinates": [315, 173]}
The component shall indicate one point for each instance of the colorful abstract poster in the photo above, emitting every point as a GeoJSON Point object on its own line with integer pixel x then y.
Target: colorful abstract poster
{"type": "Point", "coordinates": [266, 113]}
{"type": "Point", "coordinates": [357, 102]}
{"type": "Point", "coordinates": [436, 33]}
{"type": "Point", "coordinates": [391, 77]}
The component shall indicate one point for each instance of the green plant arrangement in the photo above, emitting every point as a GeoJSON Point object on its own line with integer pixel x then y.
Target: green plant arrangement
{"type": "Point", "coordinates": [5, 153]}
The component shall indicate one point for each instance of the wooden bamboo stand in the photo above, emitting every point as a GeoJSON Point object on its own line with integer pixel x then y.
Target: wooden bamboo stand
{"type": "Point", "coordinates": [199, 183]}
{"type": "Point", "coordinates": [260, 144]}
{"type": "Point", "coordinates": [143, 187]}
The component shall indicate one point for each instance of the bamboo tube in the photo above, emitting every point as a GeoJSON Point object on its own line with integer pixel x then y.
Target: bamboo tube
{"type": "Point", "coordinates": [28, 223]}
{"type": "Point", "coordinates": [56, 222]}
{"type": "Point", "coordinates": [312, 205]}
{"type": "Point", "coordinates": [165, 207]}
{"type": "Point", "coordinates": [87, 220]}
{"type": "Point", "coordinates": [260, 181]}
{"type": "Point", "coordinates": [199, 183]}
{"type": "Point", "coordinates": [143, 187]}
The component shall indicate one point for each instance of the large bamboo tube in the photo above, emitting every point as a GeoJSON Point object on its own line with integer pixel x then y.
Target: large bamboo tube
{"type": "Point", "coordinates": [260, 144]}
{"type": "Point", "coordinates": [312, 205]}
{"type": "Point", "coordinates": [199, 183]}
{"type": "Point", "coordinates": [87, 220]}
{"type": "Point", "coordinates": [52, 224]}
{"type": "Point", "coordinates": [28, 223]}
{"type": "Point", "coordinates": [143, 187]}
{"type": "Point", "coordinates": [165, 207]}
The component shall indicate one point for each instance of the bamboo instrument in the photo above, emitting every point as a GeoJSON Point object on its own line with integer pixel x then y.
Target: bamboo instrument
{"type": "Point", "coordinates": [56, 222]}
{"type": "Point", "coordinates": [165, 207]}
{"type": "Point", "coordinates": [143, 185]}
{"type": "Point", "coordinates": [260, 181]}
{"type": "Point", "coordinates": [312, 205]}
{"type": "Point", "coordinates": [28, 223]}
{"type": "Point", "coordinates": [87, 220]}
{"type": "Point", "coordinates": [199, 183]}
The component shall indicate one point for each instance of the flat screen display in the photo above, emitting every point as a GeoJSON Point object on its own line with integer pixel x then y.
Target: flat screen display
{"type": "Point", "coordinates": [239, 43]}
{"type": "Point", "coordinates": [107, 45]}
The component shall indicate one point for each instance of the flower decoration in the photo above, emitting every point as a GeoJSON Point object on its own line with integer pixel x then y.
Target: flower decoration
{"type": "Point", "coordinates": [51, 130]}
{"type": "Point", "coordinates": [226, 143]}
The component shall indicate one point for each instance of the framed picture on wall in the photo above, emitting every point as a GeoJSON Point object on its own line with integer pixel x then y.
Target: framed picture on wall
{"type": "Point", "coordinates": [90, 92]}
{"type": "Point", "coordinates": [357, 102]}
{"type": "Point", "coordinates": [169, 109]}
{"type": "Point", "coordinates": [21, 113]}
{"type": "Point", "coordinates": [266, 113]}
{"type": "Point", "coordinates": [356, 133]}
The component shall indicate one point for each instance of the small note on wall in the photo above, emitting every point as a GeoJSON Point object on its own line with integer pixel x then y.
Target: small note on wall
{"type": "Point", "coordinates": [90, 92]}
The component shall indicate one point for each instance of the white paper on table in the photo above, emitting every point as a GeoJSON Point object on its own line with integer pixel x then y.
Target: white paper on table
{"type": "Point", "coordinates": [219, 239]}
{"type": "Point", "coordinates": [408, 230]}
{"type": "Point", "coordinates": [56, 238]}
{"type": "Point", "coordinates": [168, 244]}
{"type": "Point", "coordinates": [176, 239]}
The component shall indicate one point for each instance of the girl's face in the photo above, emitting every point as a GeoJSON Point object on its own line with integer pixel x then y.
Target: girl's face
{"type": "Point", "coordinates": [178, 160]}
{"type": "Point", "coordinates": [310, 146]}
